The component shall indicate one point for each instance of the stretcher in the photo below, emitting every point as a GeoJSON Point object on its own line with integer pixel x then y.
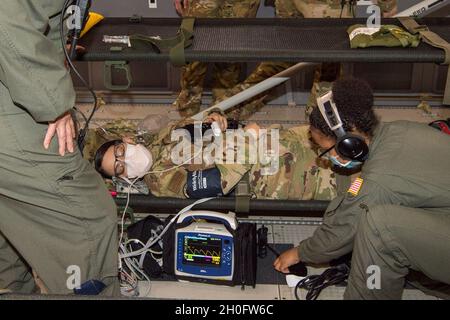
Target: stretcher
{"type": "Point", "coordinates": [253, 40]}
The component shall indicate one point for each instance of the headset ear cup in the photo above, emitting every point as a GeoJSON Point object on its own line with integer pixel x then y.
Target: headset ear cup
{"type": "Point", "coordinates": [352, 147]}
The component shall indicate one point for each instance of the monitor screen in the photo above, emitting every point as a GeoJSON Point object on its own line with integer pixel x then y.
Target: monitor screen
{"type": "Point", "coordinates": [206, 251]}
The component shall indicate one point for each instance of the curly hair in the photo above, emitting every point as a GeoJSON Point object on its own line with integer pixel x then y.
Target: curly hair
{"type": "Point", "coordinates": [354, 101]}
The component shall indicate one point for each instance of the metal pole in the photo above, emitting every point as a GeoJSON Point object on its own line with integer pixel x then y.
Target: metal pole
{"type": "Point", "coordinates": [292, 208]}
{"type": "Point", "coordinates": [421, 9]}
{"type": "Point", "coordinates": [254, 90]}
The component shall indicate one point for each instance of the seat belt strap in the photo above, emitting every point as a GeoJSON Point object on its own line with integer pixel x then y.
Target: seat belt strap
{"type": "Point", "coordinates": [434, 40]}
{"type": "Point", "coordinates": [242, 195]}
{"type": "Point", "coordinates": [175, 45]}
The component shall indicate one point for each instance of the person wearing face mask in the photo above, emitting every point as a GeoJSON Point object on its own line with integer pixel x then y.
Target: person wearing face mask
{"type": "Point", "coordinates": [297, 177]}
{"type": "Point", "coordinates": [396, 214]}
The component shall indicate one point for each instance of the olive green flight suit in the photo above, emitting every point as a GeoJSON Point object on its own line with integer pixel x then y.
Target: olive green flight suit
{"type": "Point", "coordinates": [55, 213]}
{"type": "Point", "coordinates": [399, 220]}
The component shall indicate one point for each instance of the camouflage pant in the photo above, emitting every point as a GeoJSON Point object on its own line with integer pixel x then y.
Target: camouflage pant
{"type": "Point", "coordinates": [225, 75]}
{"type": "Point", "coordinates": [323, 75]}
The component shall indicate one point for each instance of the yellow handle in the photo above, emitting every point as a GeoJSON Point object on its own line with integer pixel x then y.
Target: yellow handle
{"type": "Point", "coordinates": [94, 18]}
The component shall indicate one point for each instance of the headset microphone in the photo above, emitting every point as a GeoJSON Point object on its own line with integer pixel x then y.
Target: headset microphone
{"type": "Point", "coordinates": [348, 146]}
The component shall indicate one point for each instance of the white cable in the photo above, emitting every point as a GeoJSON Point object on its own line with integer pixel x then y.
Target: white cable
{"type": "Point", "coordinates": [175, 167]}
{"type": "Point", "coordinates": [127, 257]}
{"type": "Point", "coordinates": [134, 269]}
{"type": "Point", "coordinates": [152, 241]}
{"type": "Point", "coordinates": [134, 266]}
{"type": "Point", "coordinates": [125, 210]}
{"type": "Point", "coordinates": [143, 245]}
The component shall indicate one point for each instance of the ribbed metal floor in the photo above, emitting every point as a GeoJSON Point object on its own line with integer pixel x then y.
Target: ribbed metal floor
{"type": "Point", "coordinates": [287, 231]}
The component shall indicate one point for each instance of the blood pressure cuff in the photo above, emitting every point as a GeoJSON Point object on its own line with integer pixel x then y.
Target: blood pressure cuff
{"type": "Point", "coordinates": [204, 184]}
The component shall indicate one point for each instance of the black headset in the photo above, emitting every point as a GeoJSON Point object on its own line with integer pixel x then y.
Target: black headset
{"type": "Point", "coordinates": [348, 146]}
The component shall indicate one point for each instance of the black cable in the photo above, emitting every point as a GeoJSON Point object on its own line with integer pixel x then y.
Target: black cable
{"type": "Point", "coordinates": [263, 243]}
{"type": "Point", "coordinates": [298, 269]}
{"type": "Point", "coordinates": [83, 131]}
{"type": "Point", "coordinates": [316, 283]}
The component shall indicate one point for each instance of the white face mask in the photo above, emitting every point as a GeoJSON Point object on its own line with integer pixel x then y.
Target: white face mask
{"type": "Point", "coordinates": [138, 161]}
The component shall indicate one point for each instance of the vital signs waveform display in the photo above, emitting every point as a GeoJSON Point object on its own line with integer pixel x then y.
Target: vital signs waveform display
{"type": "Point", "coordinates": [202, 251]}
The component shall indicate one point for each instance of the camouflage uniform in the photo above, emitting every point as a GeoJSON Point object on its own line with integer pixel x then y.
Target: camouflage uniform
{"type": "Point", "coordinates": [328, 72]}
{"type": "Point", "coordinates": [225, 75]}
{"type": "Point", "coordinates": [299, 176]}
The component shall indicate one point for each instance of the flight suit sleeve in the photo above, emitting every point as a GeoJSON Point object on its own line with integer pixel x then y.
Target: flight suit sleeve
{"type": "Point", "coordinates": [32, 66]}
{"type": "Point", "coordinates": [334, 238]}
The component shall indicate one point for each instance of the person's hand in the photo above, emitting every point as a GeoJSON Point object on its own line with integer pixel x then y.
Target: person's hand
{"type": "Point", "coordinates": [391, 13]}
{"type": "Point", "coordinates": [220, 119]}
{"type": "Point", "coordinates": [181, 6]}
{"type": "Point", "coordinates": [253, 127]}
{"type": "Point", "coordinates": [64, 128]}
{"type": "Point", "coordinates": [286, 259]}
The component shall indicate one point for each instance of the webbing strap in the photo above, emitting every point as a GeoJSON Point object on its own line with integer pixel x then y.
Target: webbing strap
{"type": "Point", "coordinates": [434, 40]}
{"type": "Point", "coordinates": [242, 195]}
{"type": "Point", "coordinates": [174, 45]}
{"type": "Point", "coordinates": [428, 36]}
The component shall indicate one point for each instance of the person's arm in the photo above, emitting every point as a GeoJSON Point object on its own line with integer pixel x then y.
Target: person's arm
{"type": "Point", "coordinates": [171, 183]}
{"type": "Point", "coordinates": [32, 65]}
{"type": "Point", "coordinates": [334, 238]}
{"type": "Point", "coordinates": [233, 172]}
{"type": "Point", "coordinates": [167, 179]}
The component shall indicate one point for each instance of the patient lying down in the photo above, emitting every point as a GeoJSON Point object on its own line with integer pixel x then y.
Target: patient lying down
{"type": "Point", "coordinates": [186, 161]}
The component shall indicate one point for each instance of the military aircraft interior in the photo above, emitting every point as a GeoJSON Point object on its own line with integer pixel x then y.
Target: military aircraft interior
{"type": "Point", "coordinates": [279, 73]}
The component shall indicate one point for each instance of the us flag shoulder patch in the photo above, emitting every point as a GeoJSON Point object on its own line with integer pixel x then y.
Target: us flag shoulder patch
{"type": "Point", "coordinates": [356, 187]}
